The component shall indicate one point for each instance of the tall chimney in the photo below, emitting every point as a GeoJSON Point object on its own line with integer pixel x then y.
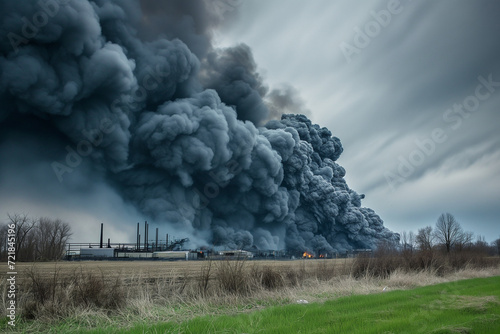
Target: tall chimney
{"type": "Point", "coordinates": [167, 241]}
{"type": "Point", "coordinates": [146, 227]}
{"type": "Point", "coordinates": [156, 242]}
{"type": "Point", "coordinates": [109, 243]}
{"type": "Point", "coordinates": [137, 239]}
{"type": "Point", "coordinates": [145, 235]}
{"type": "Point", "coordinates": [100, 243]}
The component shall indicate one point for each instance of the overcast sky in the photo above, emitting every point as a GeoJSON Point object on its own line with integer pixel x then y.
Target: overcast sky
{"type": "Point", "coordinates": [391, 86]}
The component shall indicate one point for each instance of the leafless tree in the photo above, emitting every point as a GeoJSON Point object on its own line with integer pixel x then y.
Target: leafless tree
{"type": "Point", "coordinates": [408, 240]}
{"type": "Point", "coordinates": [481, 246]}
{"type": "Point", "coordinates": [448, 231]}
{"type": "Point", "coordinates": [465, 241]}
{"type": "Point", "coordinates": [3, 242]}
{"type": "Point", "coordinates": [425, 238]}
{"type": "Point", "coordinates": [496, 244]}
{"type": "Point", "coordinates": [52, 236]}
{"type": "Point", "coordinates": [36, 239]}
{"type": "Point", "coordinates": [24, 234]}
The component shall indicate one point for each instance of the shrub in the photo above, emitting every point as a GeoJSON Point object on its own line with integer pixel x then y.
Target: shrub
{"type": "Point", "coordinates": [231, 276]}
{"type": "Point", "coordinates": [56, 296]}
{"type": "Point", "coordinates": [269, 278]}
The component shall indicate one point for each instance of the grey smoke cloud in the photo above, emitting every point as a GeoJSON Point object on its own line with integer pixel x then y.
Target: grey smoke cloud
{"type": "Point", "coordinates": [186, 118]}
{"type": "Point", "coordinates": [232, 72]}
{"type": "Point", "coordinates": [192, 21]}
{"type": "Point", "coordinates": [285, 100]}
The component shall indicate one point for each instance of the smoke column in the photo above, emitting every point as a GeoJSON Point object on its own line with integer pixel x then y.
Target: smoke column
{"type": "Point", "coordinates": [187, 133]}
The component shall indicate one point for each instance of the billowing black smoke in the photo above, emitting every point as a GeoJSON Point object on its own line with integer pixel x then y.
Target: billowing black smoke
{"type": "Point", "coordinates": [176, 132]}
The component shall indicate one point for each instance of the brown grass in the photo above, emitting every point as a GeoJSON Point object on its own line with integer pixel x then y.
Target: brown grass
{"type": "Point", "coordinates": [101, 293]}
{"type": "Point", "coordinates": [382, 265]}
{"type": "Point", "coordinates": [157, 269]}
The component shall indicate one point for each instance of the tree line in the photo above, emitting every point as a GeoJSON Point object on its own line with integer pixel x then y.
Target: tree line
{"type": "Point", "coordinates": [447, 236]}
{"type": "Point", "coordinates": [44, 239]}
{"type": "Point", "coordinates": [36, 239]}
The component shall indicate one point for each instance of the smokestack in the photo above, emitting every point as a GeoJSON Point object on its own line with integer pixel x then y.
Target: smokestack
{"type": "Point", "coordinates": [167, 241]}
{"type": "Point", "coordinates": [146, 235]}
{"type": "Point", "coordinates": [156, 242]}
{"type": "Point", "coordinates": [138, 238]}
{"type": "Point", "coordinates": [100, 243]}
{"type": "Point", "coordinates": [109, 243]}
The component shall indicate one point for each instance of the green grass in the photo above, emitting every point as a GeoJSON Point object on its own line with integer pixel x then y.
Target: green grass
{"type": "Point", "coordinates": [469, 306]}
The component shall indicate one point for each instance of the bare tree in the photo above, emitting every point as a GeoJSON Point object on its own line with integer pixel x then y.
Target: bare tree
{"type": "Point", "coordinates": [36, 239]}
{"type": "Point", "coordinates": [52, 236]}
{"type": "Point", "coordinates": [496, 244]}
{"type": "Point", "coordinates": [465, 240]}
{"type": "Point", "coordinates": [481, 246]}
{"type": "Point", "coordinates": [408, 240]}
{"type": "Point", "coordinates": [403, 239]}
{"type": "Point", "coordinates": [425, 238]}
{"type": "Point", "coordinates": [448, 231]}
{"type": "Point", "coordinates": [24, 235]}
{"type": "Point", "coordinates": [3, 242]}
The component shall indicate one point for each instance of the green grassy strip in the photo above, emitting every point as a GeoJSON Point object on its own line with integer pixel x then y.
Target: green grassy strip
{"type": "Point", "coordinates": [469, 306]}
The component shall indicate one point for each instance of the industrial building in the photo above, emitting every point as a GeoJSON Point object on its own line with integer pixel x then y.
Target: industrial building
{"type": "Point", "coordinates": [236, 254]}
{"type": "Point", "coordinates": [147, 250]}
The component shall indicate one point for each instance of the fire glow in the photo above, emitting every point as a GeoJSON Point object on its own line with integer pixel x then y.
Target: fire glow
{"type": "Point", "coordinates": [307, 255]}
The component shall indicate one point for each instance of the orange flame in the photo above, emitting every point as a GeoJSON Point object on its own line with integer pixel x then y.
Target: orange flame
{"type": "Point", "coordinates": [321, 255]}
{"type": "Point", "coordinates": [306, 255]}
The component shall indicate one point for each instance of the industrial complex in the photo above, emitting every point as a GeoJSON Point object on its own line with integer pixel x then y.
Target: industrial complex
{"type": "Point", "coordinates": [146, 248]}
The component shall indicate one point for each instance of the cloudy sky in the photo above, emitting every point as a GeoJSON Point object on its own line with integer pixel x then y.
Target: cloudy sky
{"type": "Point", "coordinates": [392, 94]}
{"type": "Point", "coordinates": [411, 88]}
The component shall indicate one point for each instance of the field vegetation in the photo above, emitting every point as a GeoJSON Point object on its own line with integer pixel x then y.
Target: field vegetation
{"type": "Point", "coordinates": [467, 306]}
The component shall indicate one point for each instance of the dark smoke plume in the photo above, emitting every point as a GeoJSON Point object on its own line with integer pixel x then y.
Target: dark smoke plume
{"type": "Point", "coordinates": [172, 124]}
{"type": "Point", "coordinates": [232, 72]}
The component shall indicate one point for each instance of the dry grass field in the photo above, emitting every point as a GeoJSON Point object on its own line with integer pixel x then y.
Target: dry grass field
{"type": "Point", "coordinates": [129, 270]}
{"type": "Point", "coordinates": [90, 294]}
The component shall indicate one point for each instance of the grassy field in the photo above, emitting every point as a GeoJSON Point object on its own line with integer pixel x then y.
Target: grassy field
{"type": "Point", "coordinates": [469, 306]}
{"type": "Point", "coordinates": [214, 296]}
{"type": "Point", "coordinates": [153, 269]}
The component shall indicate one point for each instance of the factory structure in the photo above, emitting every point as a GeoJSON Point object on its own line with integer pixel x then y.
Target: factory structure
{"type": "Point", "coordinates": [146, 248]}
